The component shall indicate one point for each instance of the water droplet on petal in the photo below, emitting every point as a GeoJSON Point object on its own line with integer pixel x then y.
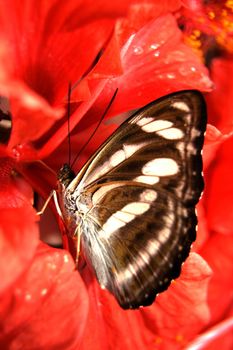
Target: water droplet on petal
{"type": "Point", "coordinates": [171, 76]}
{"type": "Point", "coordinates": [138, 50]}
{"type": "Point", "coordinates": [154, 46]}
{"type": "Point", "coordinates": [184, 71]}
{"type": "Point", "coordinates": [52, 266]}
{"type": "Point", "coordinates": [28, 296]}
{"type": "Point", "coordinates": [44, 291]}
{"type": "Point", "coordinates": [157, 53]}
{"type": "Point", "coordinates": [66, 258]}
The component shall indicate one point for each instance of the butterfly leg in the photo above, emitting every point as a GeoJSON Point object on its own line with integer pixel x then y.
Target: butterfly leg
{"type": "Point", "coordinates": [54, 195]}
{"type": "Point", "coordinates": [46, 203]}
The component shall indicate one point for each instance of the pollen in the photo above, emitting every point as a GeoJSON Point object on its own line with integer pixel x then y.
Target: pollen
{"type": "Point", "coordinates": [229, 4]}
{"type": "Point", "coordinates": [221, 16]}
{"type": "Point", "coordinates": [193, 40]}
{"type": "Point", "coordinates": [211, 15]}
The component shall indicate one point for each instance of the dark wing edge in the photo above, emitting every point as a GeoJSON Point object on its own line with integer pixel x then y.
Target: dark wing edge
{"type": "Point", "coordinates": [127, 268]}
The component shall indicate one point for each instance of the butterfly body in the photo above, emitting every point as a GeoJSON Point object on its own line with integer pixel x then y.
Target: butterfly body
{"type": "Point", "coordinates": [133, 203]}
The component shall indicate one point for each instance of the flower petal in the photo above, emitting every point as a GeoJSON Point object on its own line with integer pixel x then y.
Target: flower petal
{"type": "Point", "coordinates": [220, 99]}
{"type": "Point", "coordinates": [47, 309]}
{"type": "Point", "coordinates": [175, 317]}
{"type": "Point", "coordinates": [19, 238]}
{"type": "Point", "coordinates": [117, 328]}
{"type": "Point", "coordinates": [155, 63]}
{"type": "Point", "coordinates": [218, 337]}
{"type": "Point", "coordinates": [218, 253]}
{"type": "Point", "coordinates": [213, 140]}
{"type": "Point", "coordinates": [19, 234]}
{"type": "Point", "coordinates": [219, 190]}
{"type": "Point", "coordinates": [182, 311]}
{"type": "Point", "coordinates": [38, 61]}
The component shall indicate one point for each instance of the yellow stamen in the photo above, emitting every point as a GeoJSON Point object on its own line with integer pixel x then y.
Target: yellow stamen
{"type": "Point", "coordinates": [229, 4]}
{"type": "Point", "coordinates": [211, 15]}
{"type": "Point", "coordinates": [193, 40]}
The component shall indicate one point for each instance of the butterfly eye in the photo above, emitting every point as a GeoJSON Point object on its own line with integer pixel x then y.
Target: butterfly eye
{"type": "Point", "coordinates": [134, 201]}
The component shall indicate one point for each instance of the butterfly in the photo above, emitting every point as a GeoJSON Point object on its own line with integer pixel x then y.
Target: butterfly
{"type": "Point", "coordinates": [133, 204]}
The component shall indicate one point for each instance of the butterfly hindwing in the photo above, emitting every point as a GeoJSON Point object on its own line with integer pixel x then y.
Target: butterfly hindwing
{"type": "Point", "coordinates": [135, 199]}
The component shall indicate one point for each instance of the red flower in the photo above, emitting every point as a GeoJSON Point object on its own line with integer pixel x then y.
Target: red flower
{"type": "Point", "coordinates": [163, 325]}
{"type": "Point", "coordinates": [45, 302]}
{"type": "Point", "coordinates": [209, 23]}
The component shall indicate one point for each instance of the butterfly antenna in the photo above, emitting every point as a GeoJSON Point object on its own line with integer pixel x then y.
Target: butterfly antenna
{"type": "Point", "coordinates": [68, 121]}
{"type": "Point", "coordinates": [97, 126]}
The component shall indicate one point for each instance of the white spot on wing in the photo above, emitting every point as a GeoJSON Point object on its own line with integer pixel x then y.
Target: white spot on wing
{"type": "Point", "coordinates": [148, 195]}
{"type": "Point", "coordinates": [129, 150]}
{"type": "Point", "coordinates": [191, 149]}
{"type": "Point", "coordinates": [150, 180]}
{"type": "Point", "coordinates": [123, 216]}
{"type": "Point", "coordinates": [164, 235]}
{"type": "Point", "coordinates": [195, 133]}
{"type": "Point", "coordinates": [181, 105]}
{"type": "Point", "coordinates": [117, 158]}
{"type": "Point", "coordinates": [136, 208]}
{"type": "Point", "coordinates": [102, 191]}
{"type": "Point", "coordinates": [156, 125]}
{"type": "Point", "coordinates": [153, 246]}
{"type": "Point", "coordinates": [144, 121]}
{"type": "Point", "coordinates": [171, 133]}
{"type": "Point", "coordinates": [160, 167]}
{"type": "Point", "coordinates": [126, 274]}
{"type": "Point", "coordinates": [111, 225]}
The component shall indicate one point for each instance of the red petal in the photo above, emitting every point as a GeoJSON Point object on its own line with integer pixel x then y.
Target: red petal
{"type": "Point", "coordinates": [47, 309]}
{"type": "Point", "coordinates": [202, 228]}
{"type": "Point", "coordinates": [219, 190]}
{"type": "Point", "coordinates": [155, 63]}
{"type": "Point", "coordinates": [220, 99]}
{"type": "Point", "coordinates": [179, 313]}
{"type": "Point", "coordinates": [41, 44]}
{"type": "Point", "coordinates": [105, 9]}
{"type": "Point", "coordinates": [18, 222]}
{"type": "Point", "coordinates": [218, 253]}
{"type": "Point", "coordinates": [117, 328]}
{"type": "Point", "coordinates": [61, 133]}
{"type": "Point", "coordinates": [160, 325]}
{"type": "Point", "coordinates": [218, 337]}
{"type": "Point", "coordinates": [14, 191]}
{"type": "Point", "coordinates": [109, 63]}
{"type": "Point", "coordinates": [36, 117]}
{"type": "Point", "coordinates": [38, 61]}
{"type": "Point", "coordinates": [19, 238]}
{"type": "Point", "coordinates": [213, 140]}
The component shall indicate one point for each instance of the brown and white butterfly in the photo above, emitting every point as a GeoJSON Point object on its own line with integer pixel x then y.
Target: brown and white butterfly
{"type": "Point", "coordinates": [133, 203]}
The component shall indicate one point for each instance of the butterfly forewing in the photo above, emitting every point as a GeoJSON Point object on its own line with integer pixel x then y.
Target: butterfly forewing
{"type": "Point", "coordinates": [135, 199]}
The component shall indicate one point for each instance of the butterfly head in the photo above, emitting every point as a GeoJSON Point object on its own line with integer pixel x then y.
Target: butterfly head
{"type": "Point", "coordinates": [65, 175]}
